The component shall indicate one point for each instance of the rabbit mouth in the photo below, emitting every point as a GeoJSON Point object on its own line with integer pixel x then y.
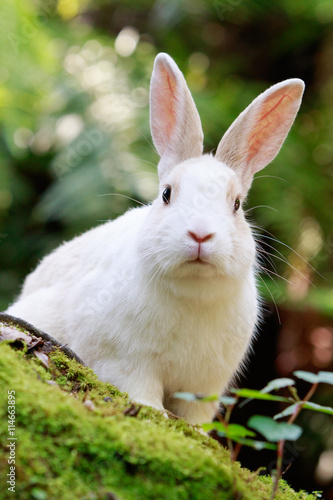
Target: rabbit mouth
{"type": "Point", "coordinates": [198, 260]}
{"type": "Point", "coordinates": [197, 268]}
{"type": "Point", "coordinates": [199, 256]}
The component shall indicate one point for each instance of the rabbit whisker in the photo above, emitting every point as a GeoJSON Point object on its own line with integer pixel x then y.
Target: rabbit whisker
{"type": "Point", "coordinates": [151, 145]}
{"type": "Point", "coordinates": [124, 196]}
{"type": "Point", "coordinates": [273, 238]}
{"type": "Point", "coordinates": [268, 272]}
{"type": "Point", "coordinates": [261, 206]}
{"type": "Point", "coordinates": [295, 252]}
{"type": "Point", "coordinates": [283, 259]}
{"type": "Point", "coordinates": [150, 174]}
{"type": "Point", "coordinates": [271, 177]}
{"type": "Point", "coordinates": [265, 257]}
{"type": "Point", "coordinates": [286, 262]}
{"type": "Point", "coordinates": [273, 300]}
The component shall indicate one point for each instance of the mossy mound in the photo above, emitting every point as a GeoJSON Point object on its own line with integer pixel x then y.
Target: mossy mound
{"type": "Point", "coordinates": [79, 438]}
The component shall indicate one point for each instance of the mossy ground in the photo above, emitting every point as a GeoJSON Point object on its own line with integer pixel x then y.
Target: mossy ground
{"type": "Point", "coordinates": [75, 440]}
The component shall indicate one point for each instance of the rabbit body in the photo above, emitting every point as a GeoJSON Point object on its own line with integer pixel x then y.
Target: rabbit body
{"type": "Point", "coordinates": [145, 317]}
{"type": "Point", "coordinates": [163, 299]}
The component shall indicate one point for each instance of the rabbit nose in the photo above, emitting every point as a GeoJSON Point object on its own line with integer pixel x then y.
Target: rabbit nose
{"type": "Point", "coordinates": [199, 238]}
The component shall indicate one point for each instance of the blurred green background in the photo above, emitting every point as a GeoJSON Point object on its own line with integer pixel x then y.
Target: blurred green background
{"type": "Point", "coordinates": [75, 149]}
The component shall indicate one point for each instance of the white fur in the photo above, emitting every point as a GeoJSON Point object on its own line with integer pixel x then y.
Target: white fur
{"type": "Point", "coordinates": [129, 296]}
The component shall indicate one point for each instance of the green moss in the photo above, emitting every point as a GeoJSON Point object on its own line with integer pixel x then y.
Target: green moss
{"type": "Point", "coordinates": [68, 450]}
{"type": "Point", "coordinates": [73, 376]}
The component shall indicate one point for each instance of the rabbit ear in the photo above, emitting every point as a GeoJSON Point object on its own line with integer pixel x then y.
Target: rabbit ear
{"type": "Point", "coordinates": [174, 119]}
{"type": "Point", "coordinates": [256, 136]}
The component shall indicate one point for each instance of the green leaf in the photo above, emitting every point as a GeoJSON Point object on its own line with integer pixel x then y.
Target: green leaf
{"type": "Point", "coordinates": [308, 406]}
{"type": "Point", "coordinates": [207, 399]}
{"type": "Point", "coordinates": [231, 431]}
{"type": "Point", "coordinates": [214, 426]}
{"type": "Point", "coordinates": [257, 445]}
{"type": "Point", "coordinates": [189, 396]}
{"type": "Point", "coordinates": [287, 411]}
{"type": "Point", "coordinates": [253, 394]}
{"type": "Point", "coordinates": [227, 400]}
{"type": "Point", "coordinates": [274, 431]}
{"type": "Point", "coordinates": [294, 393]}
{"type": "Point", "coordinates": [236, 431]}
{"type": "Point", "coordinates": [310, 377]}
{"type": "Point", "coordinates": [278, 383]}
{"type": "Point", "coordinates": [326, 377]}
{"type": "Point", "coordinates": [38, 494]}
{"type": "Point", "coordinates": [315, 407]}
{"type": "Point", "coordinates": [186, 396]}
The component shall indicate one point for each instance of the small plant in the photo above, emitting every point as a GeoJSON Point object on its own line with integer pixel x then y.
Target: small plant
{"type": "Point", "coordinates": [275, 433]}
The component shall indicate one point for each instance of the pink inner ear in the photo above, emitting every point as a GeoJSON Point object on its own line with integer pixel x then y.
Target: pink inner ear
{"type": "Point", "coordinates": [166, 100]}
{"type": "Point", "coordinates": [273, 121]}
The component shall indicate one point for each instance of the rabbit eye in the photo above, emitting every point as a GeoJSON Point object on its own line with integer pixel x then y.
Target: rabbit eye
{"type": "Point", "coordinates": [166, 195]}
{"type": "Point", "coordinates": [237, 204]}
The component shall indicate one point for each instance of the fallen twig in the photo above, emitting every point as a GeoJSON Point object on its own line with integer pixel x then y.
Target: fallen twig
{"type": "Point", "coordinates": [9, 320]}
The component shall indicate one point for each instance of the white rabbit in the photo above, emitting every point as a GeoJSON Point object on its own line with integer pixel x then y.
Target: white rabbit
{"type": "Point", "coordinates": [164, 299]}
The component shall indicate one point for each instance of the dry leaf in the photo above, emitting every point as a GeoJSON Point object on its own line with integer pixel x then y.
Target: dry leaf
{"type": "Point", "coordinates": [52, 382]}
{"type": "Point", "coordinates": [42, 357]}
{"type": "Point", "coordinates": [132, 411]}
{"type": "Point", "coordinates": [11, 333]}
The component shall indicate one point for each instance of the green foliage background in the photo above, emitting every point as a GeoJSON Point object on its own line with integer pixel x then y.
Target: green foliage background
{"type": "Point", "coordinates": [75, 146]}
{"type": "Point", "coordinates": [74, 119]}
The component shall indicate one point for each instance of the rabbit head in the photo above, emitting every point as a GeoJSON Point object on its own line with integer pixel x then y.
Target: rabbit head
{"type": "Point", "coordinates": [196, 228]}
